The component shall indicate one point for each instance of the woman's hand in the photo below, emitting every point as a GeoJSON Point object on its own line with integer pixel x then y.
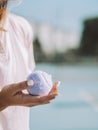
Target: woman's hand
{"type": "Point", "coordinates": [12, 95]}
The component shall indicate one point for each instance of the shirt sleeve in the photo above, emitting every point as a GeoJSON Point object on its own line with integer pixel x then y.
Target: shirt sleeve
{"type": "Point", "coordinates": [29, 37]}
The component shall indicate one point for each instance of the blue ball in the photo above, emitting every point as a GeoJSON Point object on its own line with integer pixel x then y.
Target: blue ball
{"type": "Point", "coordinates": [42, 83]}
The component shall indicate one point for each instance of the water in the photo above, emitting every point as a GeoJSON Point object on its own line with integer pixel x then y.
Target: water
{"type": "Point", "coordinates": [72, 109]}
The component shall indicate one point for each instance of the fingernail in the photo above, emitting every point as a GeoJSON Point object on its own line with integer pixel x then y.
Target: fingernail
{"type": "Point", "coordinates": [30, 82]}
{"type": "Point", "coordinates": [59, 82]}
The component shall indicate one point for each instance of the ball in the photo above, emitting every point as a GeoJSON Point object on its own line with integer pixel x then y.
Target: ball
{"type": "Point", "coordinates": [41, 83]}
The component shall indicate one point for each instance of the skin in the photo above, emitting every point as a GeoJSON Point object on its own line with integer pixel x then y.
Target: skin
{"type": "Point", "coordinates": [12, 95]}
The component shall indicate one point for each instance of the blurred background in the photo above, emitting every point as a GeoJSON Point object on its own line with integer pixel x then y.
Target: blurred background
{"type": "Point", "coordinates": [66, 45]}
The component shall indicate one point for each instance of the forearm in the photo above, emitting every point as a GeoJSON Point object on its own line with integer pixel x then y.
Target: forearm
{"type": "Point", "coordinates": [2, 106]}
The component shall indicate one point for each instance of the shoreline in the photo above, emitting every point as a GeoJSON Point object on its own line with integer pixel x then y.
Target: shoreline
{"type": "Point", "coordinates": [76, 61]}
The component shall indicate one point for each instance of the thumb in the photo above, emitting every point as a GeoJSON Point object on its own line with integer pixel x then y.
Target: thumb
{"type": "Point", "coordinates": [20, 86]}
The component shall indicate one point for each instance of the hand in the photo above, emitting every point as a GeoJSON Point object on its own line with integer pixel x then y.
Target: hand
{"type": "Point", "coordinates": [12, 95]}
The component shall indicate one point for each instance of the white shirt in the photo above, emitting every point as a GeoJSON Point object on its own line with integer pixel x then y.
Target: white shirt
{"type": "Point", "coordinates": [16, 63]}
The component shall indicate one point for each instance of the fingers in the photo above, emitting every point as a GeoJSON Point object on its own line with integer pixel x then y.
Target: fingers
{"type": "Point", "coordinates": [55, 88]}
{"type": "Point", "coordinates": [44, 100]}
{"type": "Point", "coordinates": [36, 104]}
{"type": "Point", "coordinates": [27, 99]}
{"type": "Point", "coordinates": [18, 87]}
{"type": "Point", "coordinates": [14, 95]}
{"type": "Point", "coordinates": [39, 99]}
{"type": "Point", "coordinates": [47, 98]}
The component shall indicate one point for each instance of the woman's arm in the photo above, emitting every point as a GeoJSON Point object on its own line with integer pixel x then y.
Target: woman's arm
{"type": "Point", "coordinates": [12, 95]}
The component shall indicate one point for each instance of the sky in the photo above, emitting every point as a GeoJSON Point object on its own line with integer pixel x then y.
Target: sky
{"type": "Point", "coordinates": [65, 14]}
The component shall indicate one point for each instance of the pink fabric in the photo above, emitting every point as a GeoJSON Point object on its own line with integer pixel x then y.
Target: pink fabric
{"type": "Point", "coordinates": [15, 65]}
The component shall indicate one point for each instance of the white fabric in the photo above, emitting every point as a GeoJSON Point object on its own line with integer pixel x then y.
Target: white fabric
{"type": "Point", "coordinates": [15, 65]}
